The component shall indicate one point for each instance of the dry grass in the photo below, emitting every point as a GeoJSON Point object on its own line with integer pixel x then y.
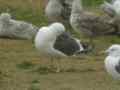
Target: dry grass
{"type": "Point", "coordinates": [23, 69]}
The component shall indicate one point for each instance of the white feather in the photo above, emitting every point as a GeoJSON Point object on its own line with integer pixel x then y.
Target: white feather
{"type": "Point", "coordinates": [116, 6]}
{"type": "Point", "coordinates": [53, 10]}
{"type": "Point", "coordinates": [46, 38]}
{"type": "Point", "coordinates": [112, 60]}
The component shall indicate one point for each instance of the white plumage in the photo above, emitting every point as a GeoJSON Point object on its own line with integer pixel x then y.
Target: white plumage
{"type": "Point", "coordinates": [112, 61]}
{"type": "Point", "coordinates": [116, 6]}
{"type": "Point", "coordinates": [53, 10]}
{"type": "Point", "coordinates": [16, 29]}
{"type": "Point", "coordinates": [54, 42]}
{"type": "Point", "coordinates": [46, 38]}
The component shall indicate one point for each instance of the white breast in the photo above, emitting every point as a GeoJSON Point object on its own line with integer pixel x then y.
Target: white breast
{"type": "Point", "coordinates": [110, 63]}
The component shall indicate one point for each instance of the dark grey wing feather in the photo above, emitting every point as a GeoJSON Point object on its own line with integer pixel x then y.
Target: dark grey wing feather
{"type": "Point", "coordinates": [66, 44]}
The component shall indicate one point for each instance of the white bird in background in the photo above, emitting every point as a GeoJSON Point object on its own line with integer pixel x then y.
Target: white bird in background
{"type": "Point", "coordinates": [53, 41]}
{"type": "Point", "coordinates": [112, 61]}
{"type": "Point", "coordinates": [15, 29]}
{"type": "Point", "coordinates": [112, 8]}
{"type": "Point", "coordinates": [116, 6]}
{"type": "Point", "coordinates": [58, 10]}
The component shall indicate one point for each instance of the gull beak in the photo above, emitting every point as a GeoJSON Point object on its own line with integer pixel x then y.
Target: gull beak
{"type": "Point", "coordinates": [107, 52]}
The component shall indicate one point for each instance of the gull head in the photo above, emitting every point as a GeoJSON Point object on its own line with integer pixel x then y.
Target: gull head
{"type": "Point", "coordinates": [114, 50]}
{"type": "Point", "coordinates": [5, 17]}
{"type": "Point", "coordinates": [57, 28]}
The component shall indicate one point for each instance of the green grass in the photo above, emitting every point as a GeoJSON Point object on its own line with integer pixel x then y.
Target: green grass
{"type": "Point", "coordinates": [22, 68]}
{"type": "Point", "coordinates": [25, 65]}
{"type": "Point", "coordinates": [24, 11]}
{"type": "Point", "coordinates": [93, 3]}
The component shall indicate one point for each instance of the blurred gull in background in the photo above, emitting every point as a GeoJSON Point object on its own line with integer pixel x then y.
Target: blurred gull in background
{"type": "Point", "coordinates": [58, 11]}
{"type": "Point", "coordinates": [14, 29]}
{"type": "Point", "coordinates": [88, 23]}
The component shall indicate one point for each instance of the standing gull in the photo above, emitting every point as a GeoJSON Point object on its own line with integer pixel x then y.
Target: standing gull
{"type": "Point", "coordinates": [112, 61]}
{"type": "Point", "coordinates": [58, 10]}
{"type": "Point", "coordinates": [88, 23]}
{"type": "Point", "coordinates": [53, 41]}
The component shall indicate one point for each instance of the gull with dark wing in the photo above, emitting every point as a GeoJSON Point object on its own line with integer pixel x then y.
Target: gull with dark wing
{"type": "Point", "coordinates": [53, 41]}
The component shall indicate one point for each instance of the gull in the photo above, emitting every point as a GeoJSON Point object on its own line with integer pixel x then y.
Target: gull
{"type": "Point", "coordinates": [52, 41]}
{"type": "Point", "coordinates": [58, 10]}
{"type": "Point", "coordinates": [116, 6]}
{"type": "Point", "coordinates": [112, 61]}
{"type": "Point", "coordinates": [15, 29]}
{"type": "Point", "coordinates": [89, 23]}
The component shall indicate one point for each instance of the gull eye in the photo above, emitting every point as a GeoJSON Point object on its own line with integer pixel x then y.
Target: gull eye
{"type": "Point", "coordinates": [112, 49]}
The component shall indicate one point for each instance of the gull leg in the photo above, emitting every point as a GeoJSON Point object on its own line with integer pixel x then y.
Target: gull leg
{"type": "Point", "coordinates": [51, 62]}
{"type": "Point", "coordinates": [55, 64]}
{"type": "Point", "coordinates": [92, 42]}
{"type": "Point", "coordinates": [58, 65]}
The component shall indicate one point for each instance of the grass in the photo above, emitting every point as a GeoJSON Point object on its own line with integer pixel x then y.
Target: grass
{"type": "Point", "coordinates": [22, 68]}
{"type": "Point", "coordinates": [25, 65]}
{"type": "Point", "coordinates": [85, 72]}
{"type": "Point", "coordinates": [24, 11]}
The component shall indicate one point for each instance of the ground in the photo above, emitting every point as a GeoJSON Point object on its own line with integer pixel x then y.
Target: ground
{"type": "Point", "coordinates": [22, 68]}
